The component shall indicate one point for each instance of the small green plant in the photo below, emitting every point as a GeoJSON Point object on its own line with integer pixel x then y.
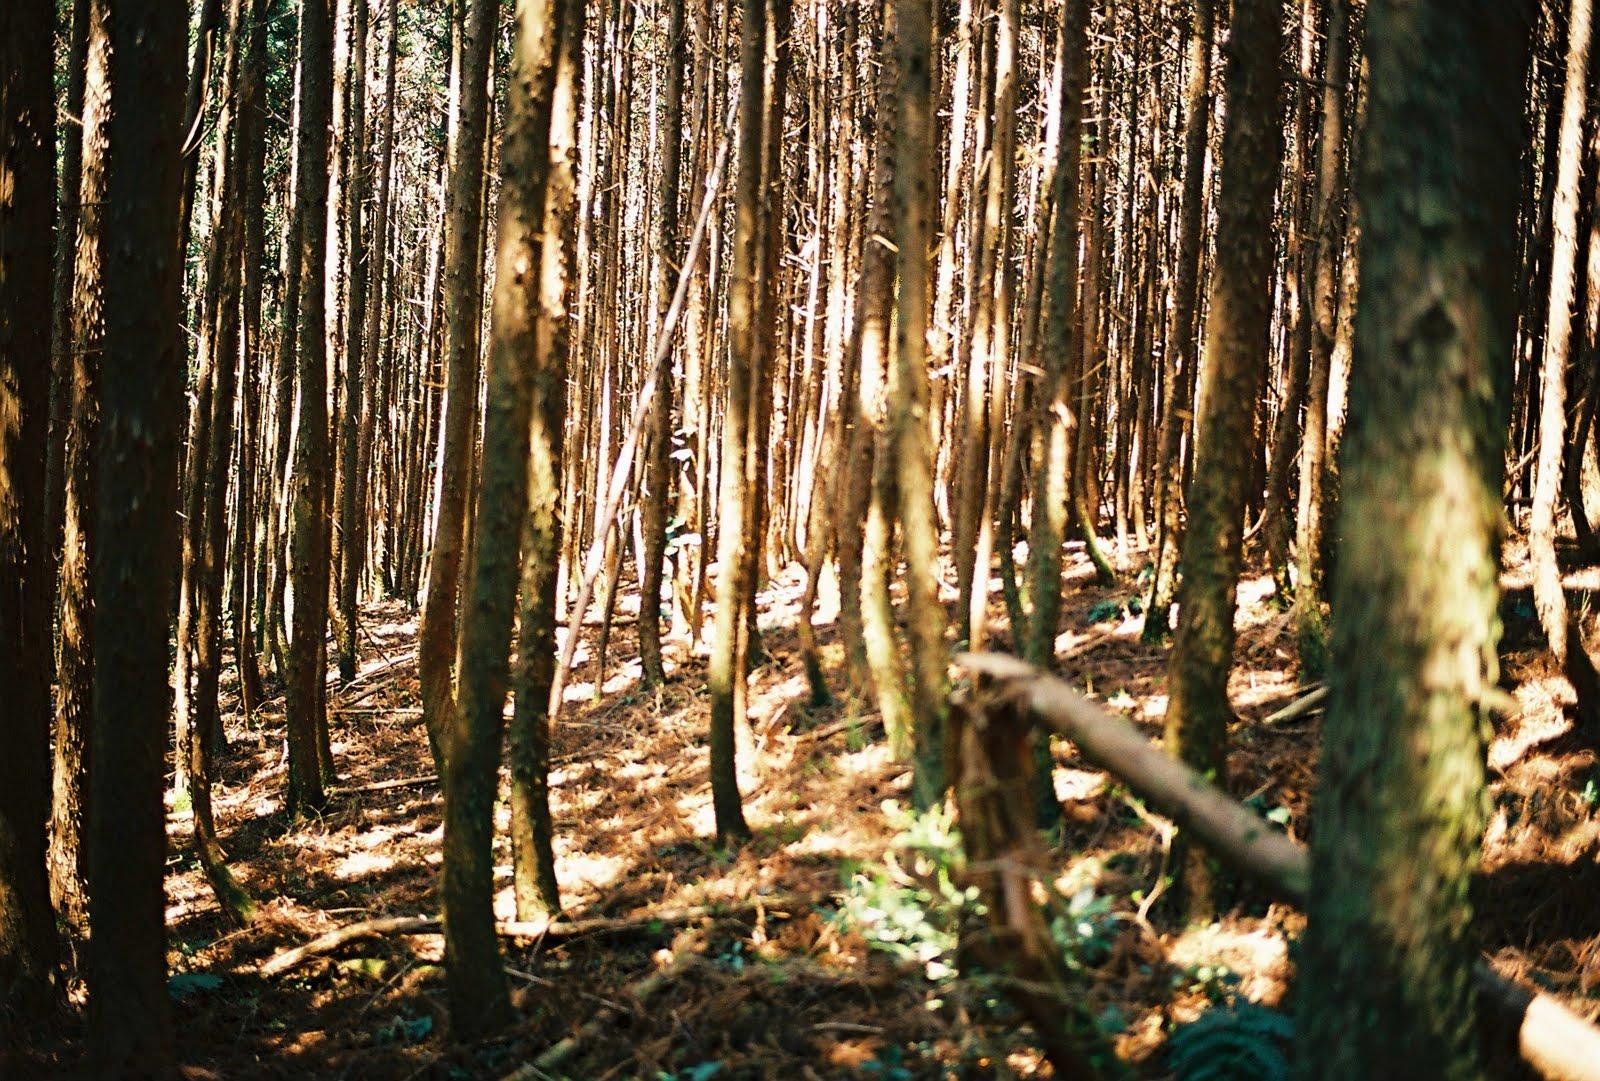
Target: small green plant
{"type": "Point", "coordinates": [1241, 1042]}
{"type": "Point", "coordinates": [910, 907]}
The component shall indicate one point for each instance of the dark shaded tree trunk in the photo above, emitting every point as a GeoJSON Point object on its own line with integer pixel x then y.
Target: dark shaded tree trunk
{"type": "Point", "coordinates": [136, 61]}
{"type": "Point", "coordinates": [735, 575]}
{"type": "Point", "coordinates": [28, 945]}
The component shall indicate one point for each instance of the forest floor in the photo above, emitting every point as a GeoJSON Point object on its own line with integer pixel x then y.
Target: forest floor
{"type": "Point", "coordinates": [836, 955]}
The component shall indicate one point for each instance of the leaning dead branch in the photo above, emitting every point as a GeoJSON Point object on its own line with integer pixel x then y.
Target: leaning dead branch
{"type": "Point", "coordinates": [1554, 1041]}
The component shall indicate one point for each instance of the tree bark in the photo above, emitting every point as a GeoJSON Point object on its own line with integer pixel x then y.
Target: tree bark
{"type": "Point", "coordinates": [1236, 349]}
{"type": "Point", "coordinates": [1401, 800]}
{"type": "Point", "coordinates": [136, 82]}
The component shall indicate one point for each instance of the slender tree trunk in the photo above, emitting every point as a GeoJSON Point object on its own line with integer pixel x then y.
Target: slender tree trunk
{"type": "Point", "coordinates": [351, 507]}
{"type": "Point", "coordinates": [657, 463]}
{"type": "Point", "coordinates": [463, 297]}
{"type": "Point", "coordinates": [478, 997]}
{"type": "Point", "coordinates": [1315, 453]}
{"type": "Point", "coordinates": [1566, 642]}
{"type": "Point", "coordinates": [69, 796]}
{"type": "Point", "coordinates": [1185, 358]}
{"type": "Point", "coordinates": [1237, 342]}
{"type": "Point", "coordinates": [532, 831]}
{"type": "Point", "coordinates": [735, 585]}
{"type": "Point", "coordinates": [308, 556]}
{"type": "Point", "coordinates": [1063, 333]}
{"type": "Point", "coordinates": [910, 442]}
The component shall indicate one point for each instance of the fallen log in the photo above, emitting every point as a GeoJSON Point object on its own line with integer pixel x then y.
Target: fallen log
{"type": "Point", "coordinates": [1555, 1042]}
{"type": "Point", "coordinates": [385, 926]}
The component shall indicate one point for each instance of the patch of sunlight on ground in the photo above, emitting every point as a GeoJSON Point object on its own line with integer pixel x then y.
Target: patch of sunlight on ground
{"type": "Point", "coordinates": [1260, 955]}
{"type": "Point", "coordinates": [359, 864]}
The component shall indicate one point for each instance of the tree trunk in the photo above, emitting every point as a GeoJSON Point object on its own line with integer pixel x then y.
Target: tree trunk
{"type": "Point", "coordinates": [308, 555]}
{"type": "Point", "coordinates": [1236, 349]}
{"type": "Point", "coordinates": [909, 440]}
{"type": "Point", "coordinates": [136, 86]}
{"type": "Point", "coordinates": [1401, 801]}
{"type": "Point", "coordinates": [28, 946]}
{"type": "Point", "coordinates": [1561, 630]}
{"type": "Point", "coordinates": [463, 301]}
{"type": "Point", "coordinates": [735, 584]}
{"type": "Point", "coordinates": [1179, 392]}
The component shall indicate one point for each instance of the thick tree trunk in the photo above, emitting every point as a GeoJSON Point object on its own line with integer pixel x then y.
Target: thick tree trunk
{"type": "Point", "coordinates": [1401, 803]}
{"type": "Point", "coordinates": [136, 82]}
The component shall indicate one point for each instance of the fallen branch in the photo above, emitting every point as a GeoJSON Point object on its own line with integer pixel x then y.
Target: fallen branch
{"type": "Point", "coordinates": [384, 786]}
{"type": "Point", "coordinates": [640, 992]}
{"type": "Point", "coordinates": [1298, 708]}
{"type": "Point", "coordinates": [1557, 1043]}
{"type": "Point", "coordinates": [385, 926]}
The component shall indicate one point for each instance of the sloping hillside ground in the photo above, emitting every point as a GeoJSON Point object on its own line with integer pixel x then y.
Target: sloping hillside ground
{"type": "Point", "coordinates": [833, 947]}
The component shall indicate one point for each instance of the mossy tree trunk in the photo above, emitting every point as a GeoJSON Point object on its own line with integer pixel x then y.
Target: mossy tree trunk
{"type": "Point", "coordinates": [1386, 975]}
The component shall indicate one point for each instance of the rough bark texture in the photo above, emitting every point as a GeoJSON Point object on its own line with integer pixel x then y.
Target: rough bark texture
{"type": "Point", "coordinates": [1388, 954]}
